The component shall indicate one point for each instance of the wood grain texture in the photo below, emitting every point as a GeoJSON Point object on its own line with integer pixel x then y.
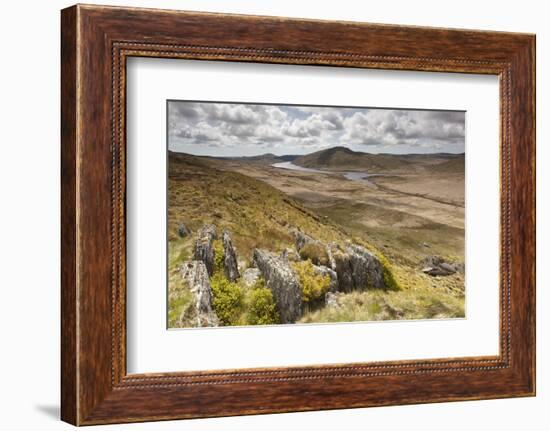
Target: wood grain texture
{"type": "Point", "coordinates": [69, 397]}
{"type": "Point", "coordinates": [96, 41]}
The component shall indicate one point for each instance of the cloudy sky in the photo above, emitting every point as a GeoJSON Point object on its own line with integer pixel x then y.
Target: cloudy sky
{"type": "Point", "coordinates": [227, 129]}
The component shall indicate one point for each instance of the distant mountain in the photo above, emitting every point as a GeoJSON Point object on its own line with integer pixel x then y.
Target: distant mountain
{"type": "Point", "coordinates": [342, 158]}
{"type": "Point", "coordinates": [339, 158]}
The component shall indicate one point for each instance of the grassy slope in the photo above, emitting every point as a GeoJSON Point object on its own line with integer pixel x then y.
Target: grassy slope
{"type": "Point", "coordinates": [258, 215]}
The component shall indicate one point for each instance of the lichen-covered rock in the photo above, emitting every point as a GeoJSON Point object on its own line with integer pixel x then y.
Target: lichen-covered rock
{"type": "Point", "coordinates": [357, 268]}
{"type": "Point", "coordinates": [437, 266]}
{"type": "Point", "coordinates": [183, 230]}
{"type": "Point", "coordinates": [367, 271]}
{"type": "Point", "coordinates": [250, 276]}
{"type": "Point", "coordinates": [282, 282]}
{"type": "Point", "coordinates": [230, 265]}
{"type": "Point", "coordinates": [344, 272]}
{"type": "Point", "coordinates": [204, 247]}
{"type": "Point", "coordinates": [330, 254]}
{"type": "Point", "coordinates": [195, 275]}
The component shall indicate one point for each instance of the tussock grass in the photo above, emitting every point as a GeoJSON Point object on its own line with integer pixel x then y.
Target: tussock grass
{"type": "Point", "coordinates": [316, 253]}
{"type": "Point", "coordinates": [181, 312]}
{"type": "Point", "coordinates": [418, 303]}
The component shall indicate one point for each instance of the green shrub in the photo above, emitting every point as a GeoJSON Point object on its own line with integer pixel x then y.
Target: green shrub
{"type": "Point", "coordinates": [389, 280]}
{"type": "Point", "coordinates": [315, 252]}
{"type": "Point", "coordinates": [217, 245]}
{"type": "Point", "coordinates": [314, 286]}
{"type": "Point", "coordinates": [262, 309]}
{"type": "Point", "coordinates": [228, 299]}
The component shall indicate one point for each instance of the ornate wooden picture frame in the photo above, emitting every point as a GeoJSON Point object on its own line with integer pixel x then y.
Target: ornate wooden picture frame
{"type": "Point", "coordinates": [96, 41]}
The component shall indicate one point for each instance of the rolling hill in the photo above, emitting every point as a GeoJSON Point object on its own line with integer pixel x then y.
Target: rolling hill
{"type": "Point", "coordinates": [342, 158]}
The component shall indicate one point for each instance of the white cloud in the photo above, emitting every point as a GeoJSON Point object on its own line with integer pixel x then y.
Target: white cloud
{"type": "Point", "coordinates": [248, 128]}
{"type": "Point", "coordinates": [399, 127]}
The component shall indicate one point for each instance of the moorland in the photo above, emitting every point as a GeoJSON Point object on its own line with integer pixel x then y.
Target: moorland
{"type": "Point", "coordinates": [356, 236]}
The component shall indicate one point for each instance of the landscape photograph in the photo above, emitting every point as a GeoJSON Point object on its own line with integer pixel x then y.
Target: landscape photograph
{"type": "Point", "coordinates": [299, 214]}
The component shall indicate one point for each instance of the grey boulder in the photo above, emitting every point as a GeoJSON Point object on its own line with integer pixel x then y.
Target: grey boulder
{"type": "Point", "coordinates": [367, 271]}
{"type": "Point", "coordinates": [357, 269]}
{"type": "Point", "coordinates": [204, 247]}
{"type": "Point", "coordinates": [437, 266]}
{"type": "Point", "coordinates": [344, 272]}
{"type": "Point", "coordinates": [230, 265]}
{"type": "Point", "coordinates": [282, 282]}
{"type": "Point", "coordinates": [195, 275]}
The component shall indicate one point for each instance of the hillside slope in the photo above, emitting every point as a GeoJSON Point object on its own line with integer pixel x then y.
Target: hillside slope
{"type": "Point", "coordinates": [258, 215]}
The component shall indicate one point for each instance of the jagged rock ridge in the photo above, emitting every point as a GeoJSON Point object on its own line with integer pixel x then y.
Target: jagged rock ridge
{"type": "Point", "coordinates": [230, 265]}
{"type": "Point", "coordinates": [282, 282]}
{"type": "Point", "coordinates": [194, 273]}
{"type": "Point", "coordinates": [204, 247]}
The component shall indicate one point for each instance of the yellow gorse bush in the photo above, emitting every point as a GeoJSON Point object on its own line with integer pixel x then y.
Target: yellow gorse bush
{"type": "Point", "coordinates": [314, 286]}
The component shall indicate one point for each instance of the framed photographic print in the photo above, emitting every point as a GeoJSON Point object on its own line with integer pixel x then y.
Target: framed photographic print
{"type": "Point", "coordinates": [322, 214]}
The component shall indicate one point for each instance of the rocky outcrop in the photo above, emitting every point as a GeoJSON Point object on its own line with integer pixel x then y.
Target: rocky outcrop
{"type": "Point", "coordinates": [357, 269]}
{"type": "Point", "coordinates": [342, 267]}
{"type": "Point", "coordinates": [282, 282]}
{"type": "Point", "coordinates": [204, 247]}
{"type": "Point", "coordinates": [437, 266]}
{"type": "Point", "coordinates": [330, 254]}
{"type": "Point", "coordinates": [183, 231]}
{"type": "Point", "coordinates": [367, 271]}
{"type": "Point", "coordinates": [230, 265]}
{"type": "Point", "coordinates": [250, 276]}
{"type": "Point", "coordinates": [195, 274]}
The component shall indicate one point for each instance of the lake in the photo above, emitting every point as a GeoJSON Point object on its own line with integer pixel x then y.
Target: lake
{"type": "Point", "coordinates": [361, 177]}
